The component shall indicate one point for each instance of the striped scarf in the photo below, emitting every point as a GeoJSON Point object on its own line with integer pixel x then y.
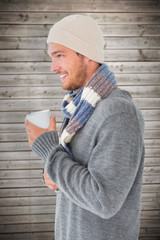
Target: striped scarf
{"type": "Point", "coordinates": [79, 106]}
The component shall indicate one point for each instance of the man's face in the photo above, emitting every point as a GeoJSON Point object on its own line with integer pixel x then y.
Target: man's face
{"type": "Point", "coordinates": [71, 67]}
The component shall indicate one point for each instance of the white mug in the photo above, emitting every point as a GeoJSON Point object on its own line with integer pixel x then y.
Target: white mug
{"type": "Point", "coordinates": [40, 119]}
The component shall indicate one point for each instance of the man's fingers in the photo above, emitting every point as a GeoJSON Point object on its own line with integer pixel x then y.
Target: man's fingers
{"type": "Point", "coordinates": [52, 126]}
{"type": "Point", "coordinates": [53, 187]}
{"type": "Point", "coordinates": [49, 183]}
{"type": "Point", "coordinates": [30, 126]}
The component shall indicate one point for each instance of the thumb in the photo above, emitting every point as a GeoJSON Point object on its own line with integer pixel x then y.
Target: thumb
{"type": "Point", "coordinates": [52, 126]}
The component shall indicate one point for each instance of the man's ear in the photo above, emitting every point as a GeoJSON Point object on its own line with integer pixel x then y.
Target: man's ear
{"type": "Point", "coordinates": [87, 60]}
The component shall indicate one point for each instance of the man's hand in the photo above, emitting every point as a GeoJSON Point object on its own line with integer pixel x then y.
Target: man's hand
{"type": "Point", "coordinates": [34, 132]}
{"type": "Point", "coordinates": [49, 182]}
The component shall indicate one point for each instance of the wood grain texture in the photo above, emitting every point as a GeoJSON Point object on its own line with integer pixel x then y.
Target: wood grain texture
{"type": "Point", "coordinates": [81, 6]}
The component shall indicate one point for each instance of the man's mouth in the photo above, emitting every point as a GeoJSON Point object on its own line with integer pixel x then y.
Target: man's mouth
{"type": "Point", "coordinates": [62, 77]}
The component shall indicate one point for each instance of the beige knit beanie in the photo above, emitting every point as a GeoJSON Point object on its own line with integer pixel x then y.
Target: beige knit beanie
{"type": "Point", "coordinates": [79, 33]}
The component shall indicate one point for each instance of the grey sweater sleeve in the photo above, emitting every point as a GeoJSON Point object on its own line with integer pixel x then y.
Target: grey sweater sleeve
{"type": "Point", "coordinates": [102, 186]}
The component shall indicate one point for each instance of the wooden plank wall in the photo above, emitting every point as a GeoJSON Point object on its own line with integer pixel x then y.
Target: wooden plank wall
{"type": "Point", "coordinates": [132, 46]}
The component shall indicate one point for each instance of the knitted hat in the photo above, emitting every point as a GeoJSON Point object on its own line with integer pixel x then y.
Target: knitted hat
{"type": "Point", "coordinates": [79, 33]}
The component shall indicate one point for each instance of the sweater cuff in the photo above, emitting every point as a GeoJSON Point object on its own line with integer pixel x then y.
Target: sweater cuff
{"type": "Point", "coordinates": [45, 144]}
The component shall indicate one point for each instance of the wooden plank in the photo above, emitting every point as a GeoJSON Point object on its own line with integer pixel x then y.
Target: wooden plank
{"type": "Point", "coordinates": [33, 92]}
{"type": "Point", "coordinates": [152, 143]}
{"type": "Point", "coordinates": [29, 155]}
{"type": "Point", "coordinates": [107, 29]}
{"type": "Point", "coordinates": [152, 161]}
{"type": "Point", "coordinates": [52, 80]}
{"type": "Point", "coordinates": [149, 193]}
{"type": "Point", "coordinates": [24, 146]}
{"type": "Point", "coordinates": [147, 103]}
{"type": "Point", "coordinates": [149, 115]}
{"type": "Point", "coordinates": [14, 165]}
{"type": "Point", "coordinates": [22, 137]}
{"type": "Point", "coordinates": [150, 129]}
{"type": "Point", "coordinates": [44, 67]}
{"type": "Point", "coordinates": [153, 171]}
{"type": "Point", "coordinates": [26, 210]}
{"type": "Point", "coordinates": [44, 191]}
{"type": "Point", "coordinates": [51, 200]}
{"type": "Point", "coordinates": [37, 164]}
{"type": "Point", "coordinates": [101, 18]}
{"type": "Point", "coordinates": [19, 174]}
{"type": "Point", "coordinates": [28, 201]}
{"type": "Point", "coordinates": [150, 223]}
{"type": "Point", "coordinates": [109, 55]}
{"type": "Point", "coordinates": [50, 226]}
{"type": "Point", "coordinates": [19, 117]}
{"type": "Point", "coordinates": [129, 30]}
{"type": "Point", "coordinates": [137, 79]}
{"type": "Point", "coordinates": [148, 238]}
{"type": "Point", "coordinates": [153, 156]}
{"type": "Point", "coordinates": [152, 152]}
{"type": "Point", "coordinates": [143, 91]}
{"type": "Point", "coordinates": [152, 188]}
{"type": "Point", "coordinates": [18, 128]}
{"type": "Point", "coordinates": [24, 42]}
{"type": "Point", "coordinates": [9, 183]}
{"type": "Point", "coordinates": [13, 137]}
{"type": "Point", "coordinates": [131, 55]}
{"type": "Point", "coordinates": [30, 105]}
{"type": "Point", "coordinates": [151, 179]}
{"type": "Point", "coordinates": [28, 236]}
{"type": "Point", "coordinates": [149, 232]}
{"type": "Point", "coordinates": [21, 164]}
{"type": "Point", "coordinates": [26, 192]}
{"type": "Point", "coordinates": [150, 214]}
{"type": "Point", "coordinates": [51, 217]}
{"type": "Point", "coordinates": [39, 218]}
{"type": "Point", "coordinates": [152, 125]}
{"type": "Point", "coordinates": [150, 133]}
{"type": "Point", "coordinates": [32, 227]}
{"type": "Point", "coordinates": [150, 197]}
{"type": "Point", "coordinates": [50, 209]}
{"type": "Point", "coordinates": [24, 55]}
{"type": "Point", "coordinates": [150, 171]}
{"type": "Point", "coordinates": [124, 42]}
{"type": "Point", "coordinates": [19, 183]}
{"type": "Point", "coordinates": [150, 42]}
{"type": "Point", "coordinates": [151, 206]}
{"type": "Point", "coordinates": [57, 92]}
{"type": "Point", "coordinates": [41, 104]}
{"type": "Point", "coordinates": [151, 166]}
{"type": "Point", "coordinates": [27, 68]}
{"type": "Point", "coordinates": [15, 146]}
{"type": "Point", "coordinates": [81, 6]}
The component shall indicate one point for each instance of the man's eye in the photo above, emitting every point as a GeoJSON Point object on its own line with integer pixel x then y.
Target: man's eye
{"type": "Point", "coordinates": [59, 55]}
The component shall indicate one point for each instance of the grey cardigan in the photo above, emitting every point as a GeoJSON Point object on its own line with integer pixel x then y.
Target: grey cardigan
{"type": "Point", "coordinates": [100, 185]}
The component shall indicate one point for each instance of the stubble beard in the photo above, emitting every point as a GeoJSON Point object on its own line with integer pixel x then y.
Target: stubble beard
{"type": "Point", "coordinates": [80, 78]}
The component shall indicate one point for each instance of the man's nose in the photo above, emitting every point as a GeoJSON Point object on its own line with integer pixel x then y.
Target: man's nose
{"type": "Point", "coordinates": [54, 66]}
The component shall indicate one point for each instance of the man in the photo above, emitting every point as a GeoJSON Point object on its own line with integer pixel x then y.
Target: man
{"type": "Point", "coordinates": [98, 164]}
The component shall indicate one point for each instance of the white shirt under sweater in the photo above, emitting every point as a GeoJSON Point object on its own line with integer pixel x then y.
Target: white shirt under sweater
{"type": "Point", "coordinates": [100, 186]}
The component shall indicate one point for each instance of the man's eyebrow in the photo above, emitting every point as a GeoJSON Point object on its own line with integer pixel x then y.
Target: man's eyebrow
{"type": "Point", "coordinates": [55, 53]}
